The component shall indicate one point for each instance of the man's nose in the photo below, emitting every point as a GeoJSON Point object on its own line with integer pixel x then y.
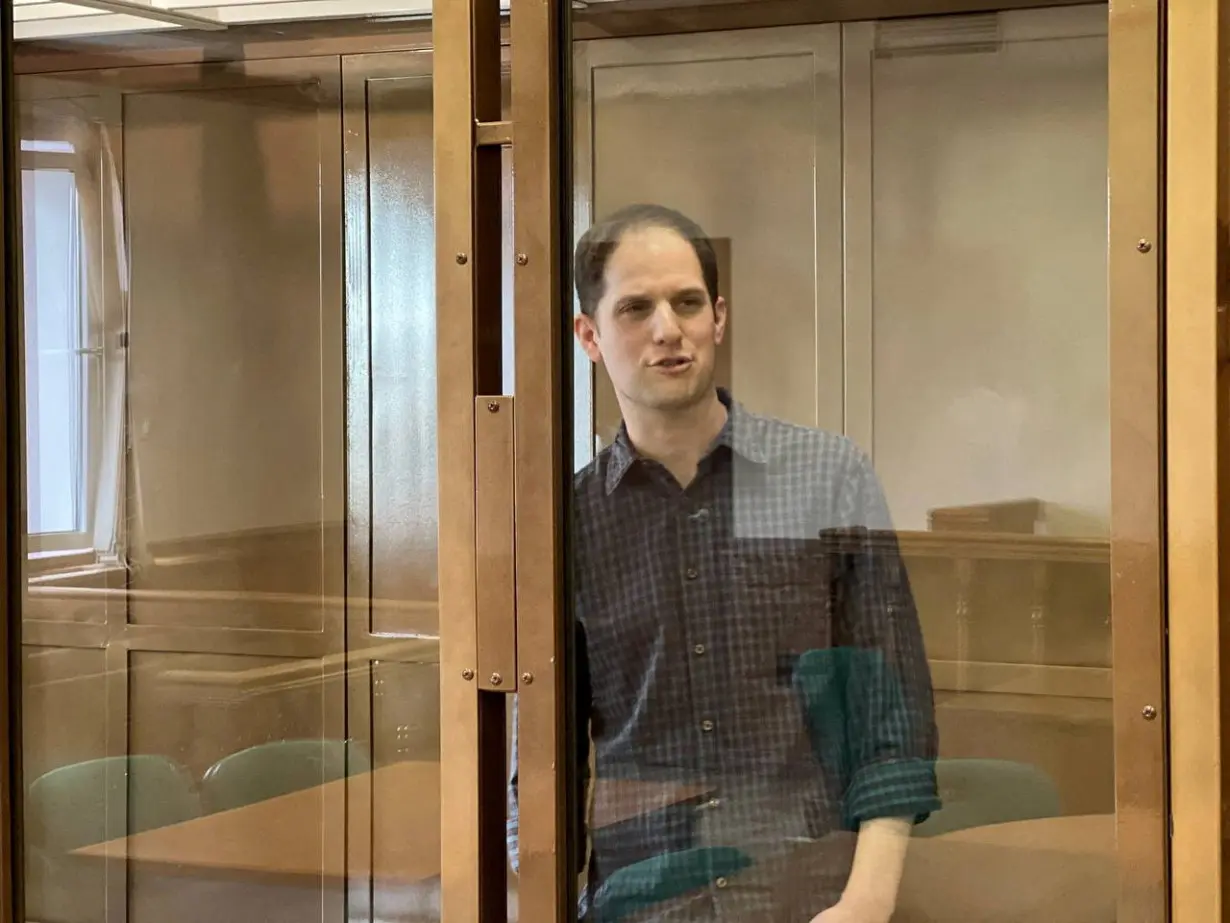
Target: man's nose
{"type": "Point", "coordinates": [666, 324]}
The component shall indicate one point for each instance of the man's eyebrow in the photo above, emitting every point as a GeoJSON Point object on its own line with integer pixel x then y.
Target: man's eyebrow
{"type": "Point", "coordinates": [628, 300]}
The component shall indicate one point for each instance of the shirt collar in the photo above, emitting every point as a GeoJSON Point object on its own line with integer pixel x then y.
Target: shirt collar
{"type": "Point", "coordinates": [740, 433]}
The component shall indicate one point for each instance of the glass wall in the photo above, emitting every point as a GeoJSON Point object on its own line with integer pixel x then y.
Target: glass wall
{"type": "Point", "coordinates": [231, 671]}
{"type": "Point", "coordinates": [842, 526]}
{"type": "Point", "coordinates": [840, 511]}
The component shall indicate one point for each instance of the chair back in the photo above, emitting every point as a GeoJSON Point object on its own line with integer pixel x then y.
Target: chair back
{"type": "Point", "coordinates": [84, 803]}
{"type": "Point", "coordinates": [279, 768]}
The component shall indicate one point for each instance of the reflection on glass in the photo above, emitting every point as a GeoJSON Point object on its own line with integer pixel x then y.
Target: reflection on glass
{"type": "Point", "coordinates": [231, 693]}
{"type": "Point", "coordinates": [871, 278]}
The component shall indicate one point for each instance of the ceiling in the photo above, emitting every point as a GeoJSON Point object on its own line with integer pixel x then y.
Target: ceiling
{"type": "Point", "coordinates": [51, 19]}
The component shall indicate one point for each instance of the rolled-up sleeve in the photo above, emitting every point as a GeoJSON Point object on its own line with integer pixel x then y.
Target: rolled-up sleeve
{"type": "Point", "coordinates": [891, 735]}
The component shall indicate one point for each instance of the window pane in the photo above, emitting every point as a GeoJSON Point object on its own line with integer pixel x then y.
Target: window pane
{"type": "Point", "coordinates": [55, 398]}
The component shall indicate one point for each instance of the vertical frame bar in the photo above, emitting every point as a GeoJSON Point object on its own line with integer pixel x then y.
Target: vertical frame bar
{"type": "Point", "coordinates": [455, 377]}
{"type": "Point", "coordinates": [858, 301]}
{"type": "Point", "coordinates": [12, 903]}
{"type": "Point", "coordinates": [357, 607]}
{"type": "Point", "coordinates": [541, 60]}
{"type": "Point", "coordinates": [1134, 37]}
{"type": "Point", "coordinates": [1196, 424]}
{"type": "Point", "coordinates": [495, 557]}
{"type": "Point", "coordinates": [468, 299]}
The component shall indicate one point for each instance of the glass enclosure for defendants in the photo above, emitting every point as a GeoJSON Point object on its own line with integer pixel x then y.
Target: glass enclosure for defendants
{"type": "Point", "coordinates": [621, 461]}
{"type": "Point", "coordinates": [865, 592]}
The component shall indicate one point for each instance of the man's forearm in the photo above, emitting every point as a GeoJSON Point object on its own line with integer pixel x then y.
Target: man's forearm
{"type": "Point", "coordinates": [879, 858]}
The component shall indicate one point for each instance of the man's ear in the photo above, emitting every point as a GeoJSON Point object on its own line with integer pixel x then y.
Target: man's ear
{"type": "Point", "coordinates": [585, 329]}
{"type": "Point", "coordinates": [719, 315]}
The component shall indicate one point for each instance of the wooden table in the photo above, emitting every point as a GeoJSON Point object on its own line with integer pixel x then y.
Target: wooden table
{"type": "Point", "coordinates": [1055, 870]}
{"type": "Point", "coordinates": [1052, 870]}
{"type": "Point", "coordinates": [301, 834]}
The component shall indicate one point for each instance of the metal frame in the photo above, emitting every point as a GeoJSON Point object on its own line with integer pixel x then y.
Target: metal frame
{"type": "Point", "coordinates": [1136, 370]}
{"type": "Point", "coordinates": [540, 104]}
{"type": "Point", "coordinates": [1193, 449]}
{"type": "Point", "coordinates": [1197, 454]}
{"type": "Point", "coordinates": [12, 542]}
{"type": "Point", "coordinates": [473, 877]}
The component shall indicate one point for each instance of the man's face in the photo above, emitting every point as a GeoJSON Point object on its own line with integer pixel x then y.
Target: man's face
{"type": "Point", "coordinates": [655, 328]}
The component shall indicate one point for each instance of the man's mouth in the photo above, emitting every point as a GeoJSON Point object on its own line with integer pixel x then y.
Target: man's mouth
{"type": "Point", "coordinates": [673, 362]}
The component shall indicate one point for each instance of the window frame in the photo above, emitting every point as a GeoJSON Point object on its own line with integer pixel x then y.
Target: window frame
{"type": "Point", "coordinates": [78, 547]}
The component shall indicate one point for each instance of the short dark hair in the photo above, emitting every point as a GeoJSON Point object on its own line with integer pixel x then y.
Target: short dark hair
{"type": "Point", "coordinates": [599, 242]}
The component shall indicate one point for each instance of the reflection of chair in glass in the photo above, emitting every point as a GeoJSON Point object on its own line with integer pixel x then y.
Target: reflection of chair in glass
{"type": "Point", "coordinates": [973, 792]}
{"type": "Point", "coordinates": [80, 804]}
{"type": "Point", "coordinates": [278, 768]}
{"type": "Point", "coordinates": [980, 792]}
{"type": "Point", "coordinates": [663, 877]}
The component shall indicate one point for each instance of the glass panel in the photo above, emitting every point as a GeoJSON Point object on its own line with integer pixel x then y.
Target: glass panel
{"type": "Point", "coordinates": [234, 347]}
{"type": "Point", "coordinates": [231, 620]}
{"type": "Point", "coordinates": [841, 534]}
{"type": "Point", "coordinates": [399, 148]}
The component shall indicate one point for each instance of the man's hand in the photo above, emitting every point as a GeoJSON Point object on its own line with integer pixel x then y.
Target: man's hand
{"type": "Point", "coordinates": [871, 891]}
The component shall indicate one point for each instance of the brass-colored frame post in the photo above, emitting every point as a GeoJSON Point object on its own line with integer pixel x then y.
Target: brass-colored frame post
{"type": "Point", "coordinates": [466, 90]}
{"type": "Point", "coordinates": [541, 57]}
{"type": "Point", "coordinates": [1197, 455]}
{"type": "Point", "coordinates": [1134, 164]}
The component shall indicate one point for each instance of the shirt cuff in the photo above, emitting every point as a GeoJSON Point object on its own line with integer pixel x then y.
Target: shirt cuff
{"type": "Point", "coordinates": [892, 788]}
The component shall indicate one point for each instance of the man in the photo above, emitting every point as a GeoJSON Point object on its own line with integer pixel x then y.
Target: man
{"type": "Point", "coordinates": [745, 624]}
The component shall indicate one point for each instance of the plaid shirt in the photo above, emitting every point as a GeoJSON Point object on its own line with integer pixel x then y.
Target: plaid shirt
{"type": "Point", "coordinates": [697, 609]}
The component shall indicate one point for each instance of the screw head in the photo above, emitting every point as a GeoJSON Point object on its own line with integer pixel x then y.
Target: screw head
{"type": "Point", "coordinates": [527, 678]}
{"type": "Point", "coordinates": [462, 259]}
{"type": "Point", "coordinates": [1148, 712]}
{"type": "Point", "coordinates": [493, 406]}
{"type": "Point", "coordinates": [496, 679]}
{"type": "Point", "coordinates": [1144, 246]}
{"type": "Point", "coordinates": [522, 259]}
{"type": "Point", "coordinates": [467, 674]}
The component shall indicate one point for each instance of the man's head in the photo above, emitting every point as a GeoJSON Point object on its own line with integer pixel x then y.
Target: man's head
{"type": "Point", "coordinates": [650, 310]}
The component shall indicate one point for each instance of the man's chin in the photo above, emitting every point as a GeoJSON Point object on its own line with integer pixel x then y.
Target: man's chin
{"type": "Point", "coordinates": [683, 397]}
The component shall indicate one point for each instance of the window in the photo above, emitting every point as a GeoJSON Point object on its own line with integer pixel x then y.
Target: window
{"type": "Point", "coordinates": [63, 354]}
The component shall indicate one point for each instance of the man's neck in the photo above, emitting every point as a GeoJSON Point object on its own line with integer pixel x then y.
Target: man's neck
{"type": "Point", "coordinates": [677, 439]}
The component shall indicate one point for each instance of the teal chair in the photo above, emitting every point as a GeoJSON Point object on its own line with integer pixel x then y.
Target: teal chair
{"type": "Point", "coordinates": [278, 768]}
{"type": "Point", "coordinates": [663, 877]}
{"type": "Point", "coordinates": [972, 792]}
{"type": "Point", "coordinates": [977, 792]}
{"type": "Point", "coordinates": [850, 697]}
{"type": "Point", "coordinates": [83, 803]}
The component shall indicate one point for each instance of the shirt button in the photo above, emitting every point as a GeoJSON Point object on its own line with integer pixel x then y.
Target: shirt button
{"type": "Point", "coordinates": [706, 725]}
{"type": "Point", "coordinates": [700, 515]}
{"type": "Point", "coordinates": [721, 882]}
{"type": "Point", "coordinates": [699, 650]}
{"type": "Point", "coordinates": [692, 573]}
{"type": "Point", "coordinates": [715, 802]}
